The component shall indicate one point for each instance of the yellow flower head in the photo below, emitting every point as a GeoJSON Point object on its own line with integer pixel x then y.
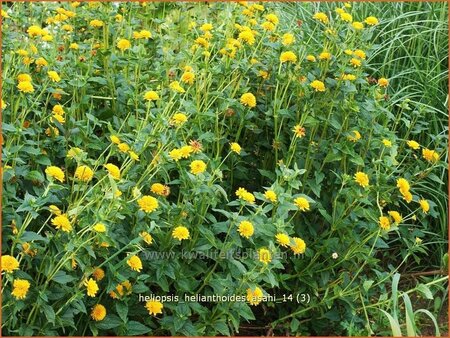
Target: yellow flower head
{"type": "Point", "coordinates": [113, 170]}
{"type": "Point", "coordinates": [249, 100]}
{"type": "Point", "coordinates": [84, 173]}
{"type": "Point", "coordinates": [154, 307]}
{"type": "Point", "coordinates": [413, 144]}
{"type": "Point", "coordinates": [25, 87]}
{"type": "Point", "coordinates": [254, 297]}
{"type": "Point", "coordinates": [151, 95]}
{"type": "Point", "coordinates": [282, 239]}
{"type": "Point", "coordinates": [98, 312]}
{"type": "Point", "coordinates": [403, 185]}
{"type": "Point", "coordinates": [430, 155]}
{"type": "Point", "coordinates": [62, 222]}
{"type": "Point", "coordinates": [24, 78]}
{"type": "Point", "coordinates": [355, 62]}
{"type": "Point", "coordinates": [395, 216]}
{"type": "Point", "coordinates": [99, 227]}
{"type": "Point", "coordinates": [346, 17]}
{"type": "Point", "coordinates": [179, 119]}
{"type": "Point", "coordinates": [322, 17]}
{"type": "Point", "coordinates": [198, 167]}
{"type": "Point", "coordinates": [299, 245]}
{"type": "Point", "coordinates": [268, 26]}
{"type": "Point", "coordinates": [387, 143]}
{"type": "Point", "coordinates": [302, 203]}
{"type": "Point", "coordinates": [318, 86]}
{"type": "Point", "coordinates": [384, 222]}
{"type": "Point", "coordinates": [148, 203]}
{"type": "Point", "coordinates": [264, 256]}
{"type": "Point", "coordinates": [20, 288]}
{"type": "Point", "coordinates": [235, 147]}
{"type": "Point", "coordinates": [146, 237]}
{"type": "Point", "coordinates": [424, 205]}
{"type": "Point", "coordinates": [383, 82]}
{"type": "Point", "coordinates": [176, 154]}
{"type": "Point", "coordinates": [288, 57]}
{"type": "Point", "coordinates": [325, 56]}
{"type": "Point", "coordinates": [55, 210]}
{"type": "Point", "coordinates": [134, 262]}
{"type": "Point", "coordinates": [96, 23]}
{"type": "Point", "coordinates": [175, 85]}
{"type": "Point", "coordinates": [360, 53]}
{"type": "Point", "coordinates": [98, 274]}
{"type": "Point", "coordinates": [358, 25]}
{"type": "Point", "coordinates": [362, 179]}
{"type": "Point", "coordinates": [271, 196]}
{"type": "Point", "coordinates": [246, 229]}
{"type": "Point", "coordinates": [180, 233]}
{"type": "Point", "coordinates": [91, 287]}
{"type": "Point", "coordinates": [55, 172]}
{"type": "Point", "coordinates": [287, 39]}
{"type": "Point", "coordinates": [272, 18]}
{"type": "Point", "coordinates": [123, 147]}
{"type": "Point", "coordinates": [355, 137]}
{"type": "Point", "coordinates": [123, 44]}
{"type": "Point", "coordinates": [53, 76]}
{"type": "Point", "coordinates": [188, 77]}
{"type": "Point", "coordinates": [9, 263]}
{"type": "Point", "coordinates": [371, 21]}
{"type": "Point", "coordinates": [299, 131]}
{"type": "Point", "coordinates": [247, 36]}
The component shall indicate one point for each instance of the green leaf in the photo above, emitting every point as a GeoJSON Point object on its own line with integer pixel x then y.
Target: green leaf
{"type": "Point", "coordinates": [49, 313]}
{"type": "Point", "coordinates": [32, 236]}
{"type": "Point", "coordinates": [425, 290]}
{"type": "Point", "coordinates": [63, 278]}
{"type": "Point", "coordinates": [395, 326]}
{"type": "Point", "coordinates": [136, 328]}
{"type": "Point", "coordinates": [122, 310]}
{"type": "Point", "coordinates": [110, 321]}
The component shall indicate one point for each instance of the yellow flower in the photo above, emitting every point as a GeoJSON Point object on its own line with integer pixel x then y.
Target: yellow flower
{"type": "Point", "coordinates": [346, 17]}
{"type": "Point", "coordinates": [134, 262]}
{"type": "Point", "coordinates": [245, 229]}
{"type": "Point", "coordinates": [311, 58]}
{"type": "Point", "coordinates": [407, 196]}
{"type": "Point", "coordinates": [151, 95]}
{"type": "Point", "coordinates": [148, 203]}
{"type": "Point", "coordinates": [55, 210]}
{"type": "Point", "coordinates": [235, 147]}
{"type": "Point", "coordinates": [348, 77]}
{"type": "Point", "coordinates": [25, 87]}
{"type": "Point", "coordinates": [299, 131]}
{"type": "Point", "coordinates": [302, 203]}
{"type": "Point", "coordinates": [58, 118]}
{"type": "Point", "coordinates": [188, 77]}
{"type": "Point", "coordinates": [96, 23]}
{"type": "Point", "coordinates": [53, 76]}
{"type": "Point", "coordinates": [24, 78]}
{"type": "Point", "coordinates": [9, 263]}
{"type": "Point", "coordinates": [424, 205]}
{"type": "Point", "coordinates": [325, 56]}
{"type": "Point", "coordinates": [271, 196]}
{"type": "Point", "coordinates": [387, 143]}
{"type": "Point", "coordinates": [248, 36]}
{"type": "Point", "coordinates": [123, 44]}
{"type": "Point", "coordinates": [371, 21]}
{"type": "Point", "coordinates": [180, 233]}
{"type": "Point", "coordinates": [355, 137]}
{"type": "Point", "coordinates": [322, 17]}
{"type": "Point", "coordinates": [146, 237]}
{"type": "Point", "coordinates": [282, 239]}
{"type": "Point", "coordinates": [395, 216]}
{"type": "Point", "coordinates": [178, 119]}
{"type": "Point", "coordinates": [84, 173]}
{"type": "Point", "coordinates": [62, 222]}
{"type": "Point", "coordinates": [175, 85]}
{"type": "Point", "coordinates": [413, 144]}
{"type": "Point", "coordinates": [133, 155]}
{"type": "Point", "coordinates": [383, 82]}
{"type": "Point", "coordinates": [403, 185]}
{"type": "Point", "coordinates": [186, 151]}
{"type": "Point", "coordinates": [20, 288]}
{"type": "Point", "coordinates": [99, 227]}
{"type": "Point", "coordinates": [430, 155]}
{"type": "Point", "coordinates": [264, 74]}
{"type": "Point", "coordinates": [362, 179]}
{"type": "Point", "coordinates": [91, 287]}
{"type": "Point", "coordinates": [299, 245]}
{"type": "Point", "coordinates": [123, 147]}
{"type": "Point", "coordinates": [384, 222]}
{"type": "Point", "coordinates": [254, 297]}
{"type": "Point", "coordinates": [145, 34]}
{"type": "Point", "coordinates": [113, 170]}
{"type": "Point", "coordinates": [272, 18]}
{"type": "Point", "coordinates": [360, 53]}
{"type": "Point", "coordinates": [98, 312]}
{"type": "Point", "coordinates": [74, 45]}
{"type": "Point", "coordinates": [98, 274]}
{"type": "Point", "coordinates": [158, 189]}
{"type": "Point", "coordinates": [288, 57]}
{"type": "Point", "coordinates": [268, 26]}
{"type": "Point", "coordinates": [58, 110]}
{"type": "Point", "coordinates": [318, 86]}
{"type": "Point", "coordinates": [176, 154]}
{"type": "Point", "coordinates": [198, 167]}
{"type": "Point", "coordinates": [287, 39]}
{"type": "Point", "coordinates": [4, 14]}
{"type": "Point", "coordinates": [154, 307]}
{"type": "Point", "coordinates": [264, 256]}
{"type": "Point", "coordinates": [355, 62]}
{"type": "Point", "coordinates": [248, 99]}
{"type": "Point", "coordinates": [55, 172]}
{"type": "Point", "coordinates": [358, 25]}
